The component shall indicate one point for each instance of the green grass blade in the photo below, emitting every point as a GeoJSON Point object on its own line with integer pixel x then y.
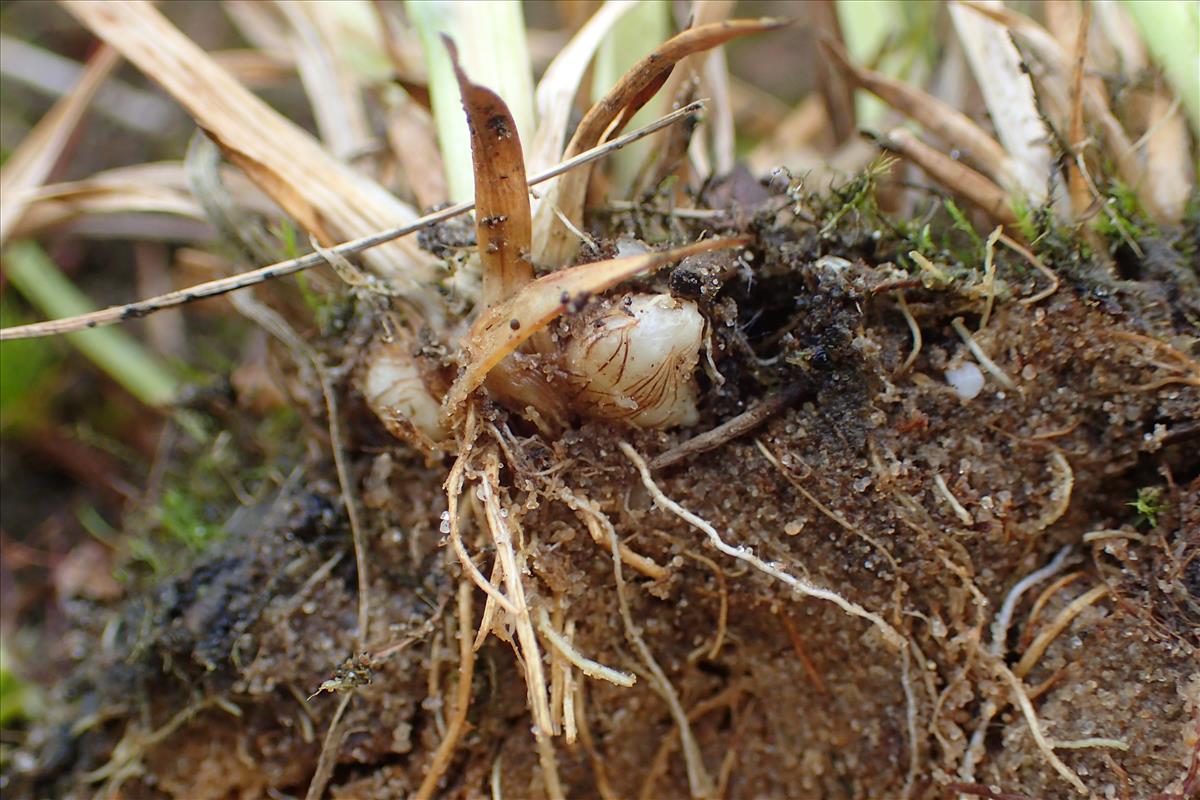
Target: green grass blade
{"type": "Point", "coordinates": [490, 36]}
{"type": "Point", "coordinates": [40, 281]}
{"type": "Point", "coordinates": [1171, 30]}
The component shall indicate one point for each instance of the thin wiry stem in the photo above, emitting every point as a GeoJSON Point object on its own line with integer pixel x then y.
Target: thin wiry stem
{"type": "Point", "coordinates": [201, 291]}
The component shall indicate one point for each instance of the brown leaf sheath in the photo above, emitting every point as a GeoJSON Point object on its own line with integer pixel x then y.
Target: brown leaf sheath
{"type": "Point", "coordinates": [502, 218]}
{"type": "Point", "coordinates": [500, 330]}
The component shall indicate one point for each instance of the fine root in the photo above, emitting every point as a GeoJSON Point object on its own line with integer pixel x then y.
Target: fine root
{"type": "Point", "coordinates": [913, 328]}
{"type": "Point", "coordinates": [1021, 698]}
{"type": "Point", "coordinates": [1036, 263]}
{"type": "Point", "coordinates": [1040, 602]}
{"type": "Point", "coordinates": [699, 781]}
{"type": "Point", "coordinates": [593, 669]}
{"type": "Point", "coordinates": [723, 609]}
{"type": "Point", "coordinates": [330, 746]}
{"type": "Point", "coordinates": [1061, 495]}
{"type": "Point", "coordinates": [836, 517]}
{"type": "Point", "coordinates": [989, 276]}
{"type": "Point", "coordinates": [462, 697]}
{"type": "Point", "coordinates": [727, 698]}
{"type": "Point", "coordinates": [603, 784]}
{"type": "Point", "coordinates": [980, 356]}
{"type": "Point", "coordinates": [963, 515]}
{"type": "Point", "coordinates": [1057, 626]}
{"type": "Point", "coordinates": [799, 585]}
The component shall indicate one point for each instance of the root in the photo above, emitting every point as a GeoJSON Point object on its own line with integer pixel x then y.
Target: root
{"type": "Point", "coordinates": [647, 566]}
{"type": "Point", "coordinates": [910, 706]}
{"type": "Point", "coordinates": [535, 679]}
{"type": "Point", "coordinates": [593, 669]}
{"type": "Point", "coordinates": [570, 724]}
{"type": "Point", "coordinates": [800, 586]}
{"type": "Point", "coordinates": [603, 785]}
{"type": "Point", "coordinates": [1057, 626]}
{"type": "Point", "coordinates": [699, 782]}
{"type": "Point", "coordinates": [989, 276]}
{"type": "Point", "coordinates": [723, 609]}
{"type": "Point", "coordinates": [489, 608]}
{"type": "Point", "coordinates": [980, 356]}
{"type": "Point", "coordinates": [836, 517]}
{"type": "Point", "coordinates": [1036, 263]}
{"type": "Point", "coordinates": [1061, 494]}
{"type": "Point", "coordinates": [1004, 618]}
{"type": "Point", "coordinates": [729, 430]}
{"type": "Point", "coordinates": [998, 650]}
{"type": "Point", "coordinates": [1021, 699]}
{"type": "Point", "coordinates": [658, 765]}
{"type": "Point", "coordinates": [305, 356]}
{"type": "Point", "coordinates": [462, 699]}
{"type": "Point", "coordinates": [453, 486]}
{"type": "Point", "coordinates": [126, 756]}
{"type": "Point", "coordinates": [915, 329]}
{"type": "Point", "coordinates": [963, 515]}
{"type": "Point", "coordinates": [329, 750]}
{"type": "Point", "coordinates": [1040, 603]}
{"type": "Point", "coordinates": [810, 669]}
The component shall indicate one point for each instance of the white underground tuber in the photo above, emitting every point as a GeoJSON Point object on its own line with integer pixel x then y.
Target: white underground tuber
{"type": "Point", "coordinates": [395, 390]}
{"type": "Point", "coordinates": [633, 359]}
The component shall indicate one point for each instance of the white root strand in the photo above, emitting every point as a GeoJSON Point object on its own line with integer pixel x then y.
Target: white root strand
{"type": "Point", "coordinates": [799, 585]}
{"type": "Point", "coordinates": [593, 669]}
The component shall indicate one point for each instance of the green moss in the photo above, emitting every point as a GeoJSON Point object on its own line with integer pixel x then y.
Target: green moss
{"type": "Point", "coordinates": [1148, 505]}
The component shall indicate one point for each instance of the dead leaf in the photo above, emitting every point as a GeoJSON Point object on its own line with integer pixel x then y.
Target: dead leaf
{"type": "Point", "coordinates": [502, 217]}
{"type": "Point", "coordinates": [33, 159]}
{"type": "Point", "coordinates": [553, 243]}
{"type": "Point", "coordinates": [325, 196]}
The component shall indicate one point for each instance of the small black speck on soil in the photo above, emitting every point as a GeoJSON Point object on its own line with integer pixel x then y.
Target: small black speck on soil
{"type": "Point", "coordinates": [929, 508]}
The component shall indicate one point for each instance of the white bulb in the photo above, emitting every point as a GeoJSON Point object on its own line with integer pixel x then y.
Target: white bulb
{"type": "Point", "coordinates": [395, 391]}
{"type": "Point", "coordinates": [634, 359]}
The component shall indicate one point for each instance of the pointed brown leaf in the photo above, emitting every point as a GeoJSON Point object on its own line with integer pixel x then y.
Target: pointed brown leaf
{"type": "Point", "coordinates": [553, 243]}
{"type": "Point", "coordinates": [502, 217]}
{"type": "Point", "coordinates": [944, 121]}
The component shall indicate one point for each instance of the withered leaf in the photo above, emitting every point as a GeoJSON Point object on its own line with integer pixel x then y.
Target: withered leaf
{"type": "Point", "coordinates": [502, 218]}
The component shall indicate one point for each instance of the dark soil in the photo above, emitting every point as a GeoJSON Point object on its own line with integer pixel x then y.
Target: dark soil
{"type": "Point", "coordinates": [200, 688]}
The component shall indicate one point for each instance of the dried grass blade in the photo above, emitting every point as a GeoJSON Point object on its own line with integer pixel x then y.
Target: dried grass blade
{"type": "Point", "coordinates": [502, 217]}
{"type": "Point", "coordinates": [710, 67]}
{"type": "Point", "coordinates": [1094, 97]}
{"type": "Point", "coordinates": [952, 174]}
{"type": "Point", "coordinates": [556, 90]}
{"type": "Point", "coordinates": [413, 141]}
{"type": "Point", "coordinates": [140, 308]}
{"type": "Point", "coordinates": [156, 188]}
{"type": "Point", "coordinates": [552, 242]}
{"type": "Point", "coordinates": [1170, 174]}
{"type": "Point", "coordinates": [837, 93]}
{"type": "Point", "coordinates": [939, 118]}
{"type": "Point", "coordinates": [329, 199]}
{"type": "Point", "coordinates": [1008, 92]}
{"type": "Point", "coordinates": [1077, 187]}
{"type": "Point", "coordinates": [494, 335]}
{"type": "Point", "coordinates": [332, 90]}
{"type": "Point", "coordinates": [33, 159]}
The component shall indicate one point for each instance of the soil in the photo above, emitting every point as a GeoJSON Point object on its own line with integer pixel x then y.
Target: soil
{"type": "Point", "coordinates": [877, 481]}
